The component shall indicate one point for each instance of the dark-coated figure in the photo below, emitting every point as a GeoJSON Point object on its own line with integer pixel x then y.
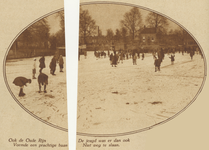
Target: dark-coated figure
{"type": "Point", "coordinates": [21, 82]}
{"type": "Point", "coordinates": [42, 80]}
{"type": "Point", "coordinates": [42, 63]}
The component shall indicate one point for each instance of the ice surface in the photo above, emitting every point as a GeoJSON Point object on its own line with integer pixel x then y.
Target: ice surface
{"type": "Point", "coordinates": [132, 97]}
{"type": "Point", "coordinates": [51, 106]}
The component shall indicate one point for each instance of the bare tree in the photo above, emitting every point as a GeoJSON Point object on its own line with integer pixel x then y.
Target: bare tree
{"type": "Point", "coordinates": [117, 35]}
{"type": "Point", "coordinates": [61, 15]}
{"type": "Point", "coordinates": [36, 34]}
{"type": "Point", "coordinates": [124, 34]}
{"type": "Point", "coordinates": [109, 35]}
{"type": "Point", "coordinates": [60, 35]}
{"type": "Point", "coordinates": [87, 25]}
{"type": "Point", "coordinates": [132, 21]}
{"type": "Point", "coordinates": [157, 21]}
{"type": "Point", "coordinates": [181, 34]}
{"type": "Point", "coordinates": [99, 32]}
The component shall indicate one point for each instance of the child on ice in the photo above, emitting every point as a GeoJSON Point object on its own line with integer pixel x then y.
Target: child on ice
{"type": "Point", "coordinates": [172, 59]}
{"type": "Point", "coordinates": [157, 64]}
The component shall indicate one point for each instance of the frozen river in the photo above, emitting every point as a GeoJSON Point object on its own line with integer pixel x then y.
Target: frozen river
{"type": "Point", "coordinates": [50, 107]}
{"type": "Point", "coordinates": [132, 97]}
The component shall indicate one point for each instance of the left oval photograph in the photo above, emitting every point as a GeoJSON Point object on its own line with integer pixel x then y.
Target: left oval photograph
{"type": "Point", "coordinates": [35, 72]}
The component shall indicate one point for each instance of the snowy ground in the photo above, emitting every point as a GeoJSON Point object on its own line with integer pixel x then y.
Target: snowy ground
{"type": "Point", "coordinates": [51, 106]}
{"type": "Point", "coordinates": [132, 97]}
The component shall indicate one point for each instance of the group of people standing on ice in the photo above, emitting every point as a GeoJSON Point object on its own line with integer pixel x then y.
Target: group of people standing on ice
{"type": "Point", "coordinates": [135, 54]}
{"type": "Point", "coordinates": [42, 77]}
{"type": "Point", "coordinates": [118, 57]}
{"type": "Point", "coordinates": [158, 55]}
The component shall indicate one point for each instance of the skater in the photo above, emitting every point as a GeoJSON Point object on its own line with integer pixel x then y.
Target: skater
{"type": "Point", "coordinates": [42, 80]}
{"type": "Point", "coordinates": [138, 53]}
{"type": "Point", "coordinates": [191, 53]}
{"type": "Point", "coordinates": [157, 64]}
{"type": "Point", "coordinates": [105, 55]}
{"type": "Point", "coordinates": [114, 59]}
{"type": "Point", "coordinates": [42, 63]}
{"type": "Point", "coordinates": [142, 56]}
{"type": "Point", "coordinates": [172, 59]}
{"type": "Point", "coordinates": [111, 58]}
{"type": "Point", "coordinates": [134, 57]}
{"type": "Point", "coordinates": [21, 81]}
{"type": "Point", "coordinates": [121, 57]}
{"type": "Point", "coordinates": [85, 54]}
{"type": "Point", "coordinates": [163, 54]}
{"type": "Point", "coordinates": [52, 65]}
{"type": "Point", "coordinates": [127, 55]}
{"type": "Point", "coordinates": [34, 69]}
{"type": "Point", "coordinates": [61, 62]}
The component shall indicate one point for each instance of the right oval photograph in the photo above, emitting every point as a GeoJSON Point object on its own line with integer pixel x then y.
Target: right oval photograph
{"type": "Point", "coordinates": [137, 69]}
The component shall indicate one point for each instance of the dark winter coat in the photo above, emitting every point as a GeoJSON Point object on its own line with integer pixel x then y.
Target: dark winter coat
{"type": "Point", "coordinates": [157, 62]}
{"type": "Point", "coordinates": [142, 55]}
{"type": "Point", "coordinates": [172, 57]}
{"type": "Point", "coordinates": [111, 57]}
{"type": "Point", "coordinates": [21, 81]}
{"type": "Point", "coordinates": [191, 53]}
{"type": "Point", "coordinates": [42, 78]}
{"type": "Point", "coordinates": [42, 62]}
{"type": "Point", "coordinates": [53, 64]}
{"type": "Point", "coordinates": [61, 62]}
{"type": "Point", "coordinates": [115, 59]}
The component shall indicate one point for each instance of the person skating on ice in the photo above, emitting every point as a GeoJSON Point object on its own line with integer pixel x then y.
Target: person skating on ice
{"type": "Point", "coordinates": [114, 59]}
{"type": "Point", "coordinates": [157, 64]}
{"type": "Point", "coordinates": [172, 59]}
{"type": "Point", "coordinates": [142, 56]}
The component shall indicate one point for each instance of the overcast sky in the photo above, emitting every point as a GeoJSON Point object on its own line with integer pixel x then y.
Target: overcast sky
{"type": "Point", "coordinates": [106, 16]}
{"type": "Point", "coordinates": [109, 15]}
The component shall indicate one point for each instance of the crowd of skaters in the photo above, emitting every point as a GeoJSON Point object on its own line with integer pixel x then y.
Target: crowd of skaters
{"type": "Point", "coordinates": [116, 57]}
{"type": "Point", "coordinates": [42, 77]}
{"type": "Point", "coordinates": [119, 56]}
{"type": "Point", "coordinates": [160, 54]}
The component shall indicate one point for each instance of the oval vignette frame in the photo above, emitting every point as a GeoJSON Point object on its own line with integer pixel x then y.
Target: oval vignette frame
{"type": "Point", "coordinates": [5, 77]}
{"type": "Point", "coordinates": [175, 115]}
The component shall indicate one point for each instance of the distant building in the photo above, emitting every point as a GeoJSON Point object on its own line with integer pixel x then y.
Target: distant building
{"type": "Point", "coordinates": [149, 35]}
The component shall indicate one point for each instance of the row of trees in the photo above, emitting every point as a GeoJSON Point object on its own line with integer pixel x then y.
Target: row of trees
{"type": "Point", "coordinates": [131, 25]}
{"type": "Point", "coordinates": [38, 36]}
{"type": "Point", "coordinates": [58, 39]}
